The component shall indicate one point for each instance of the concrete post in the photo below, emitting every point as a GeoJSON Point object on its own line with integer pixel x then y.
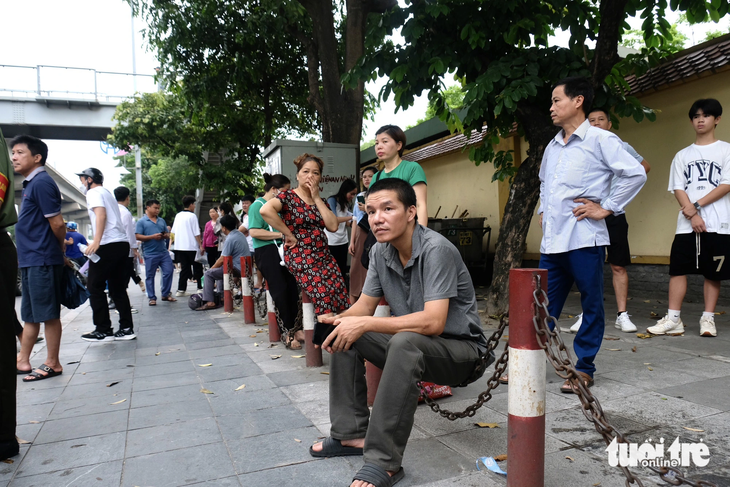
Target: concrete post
{"type": "Point", "coordinates": [227, 294]}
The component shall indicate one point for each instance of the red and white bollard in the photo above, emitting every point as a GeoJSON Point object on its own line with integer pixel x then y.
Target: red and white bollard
{"type": "Point", "coordinates": [372, 372]}
{"type": "Point", "coordinates": [274, 333]}
{"type": "Point", "coordinates": [227, 294]}
{"type": "Point", "coordinates": [249, 309]}
{"type": "Point", "coordinates": [526, 391]}
{"type": "Point", "coordinates": [314, 355]}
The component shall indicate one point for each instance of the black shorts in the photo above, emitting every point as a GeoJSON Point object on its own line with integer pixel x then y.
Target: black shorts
{"type": "Point", "coordinates": [705, 253]}
{"type": "Point", "coordinates": [618, 233]}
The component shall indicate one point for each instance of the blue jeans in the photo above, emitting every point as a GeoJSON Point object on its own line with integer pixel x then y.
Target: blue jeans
{"type": "Point", "coordinates": [585, 268]}
{"type": "Point", "coordinates": [164, 262]}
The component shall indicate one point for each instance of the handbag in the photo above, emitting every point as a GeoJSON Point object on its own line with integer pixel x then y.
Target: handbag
{"type": "Point", "coordinates": [74, 293]}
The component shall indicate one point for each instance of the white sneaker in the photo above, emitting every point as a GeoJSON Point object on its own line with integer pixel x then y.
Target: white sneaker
{"type": "Point", "coordinates": [666, 326]}
{"type": "Point", "coordinates": [623, 323]}
{"type": "Point", "coordinates": [180, 293]}
{"type": "Point", "coordinates": [576, 325]}
{"type": "Point", "coordinates": [707, 327]}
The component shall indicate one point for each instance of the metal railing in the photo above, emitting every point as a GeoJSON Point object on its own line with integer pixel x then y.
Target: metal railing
{"type": "Point", "coordinates": [64, 82]}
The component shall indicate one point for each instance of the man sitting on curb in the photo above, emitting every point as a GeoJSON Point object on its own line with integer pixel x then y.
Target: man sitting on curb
{"type": "Point", "coordinates": [435, 336]}
{"type": "Point", "coordinates": [235, 246]}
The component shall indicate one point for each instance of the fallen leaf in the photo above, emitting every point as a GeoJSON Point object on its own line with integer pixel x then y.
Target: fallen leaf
{"type": "Point", "coordinates": [74, 362]}
{"type": "Point", "coordinates": [650, 368]}
{"type": "Point", "coordinates": [614, 349]}
{"type": "Point", "coordinates": [298, 356]}
{"type": "Point", "coordinates": [259, 331]}
{"type": "Point", "coordinates": [204, 365]}
{"type": "Point", "coordinates": [720, 313]}
{"type": "Point", "coordinates": [634, 349]}
{"type": "Point", "coordinates": [118, 402]}
{"type": "Point", "coordinates": [297, 440]}
{"type": "Point", "coordinates": [611, 338]}
{"type": "Point", "coordinates": [570, 458]}
{"type": "Point", "coordinates": [252, 336]}
{"type": "Point", "coordinates": [571, 316]}
{"type": "Point", "coordinates": [7, 461]}
{"type": "Point", "coordinates": [128, 365]}
{"type": "Point", "coordinates": [487, 425]}
{"type": "Point", "coordinates": [647, 363]}
{"type": "Point", "coordinates": [255, 344]}
{"type": "Point", "coordinates": [274, 357]}
{"type": "Point", "coordinates": [596, 485]}
{"type": "Point", "coordinates": [83, 373]}
{"type": "Point", "coordinates": [325, 373]}
{"type": "Point", "coordinates": [272, 345]}
{"type": "Point", "coordinates": [693, 429]}
{"type": "Point", "coordinates": [34, 422]}
{"type": "Point", "coordinates": [206, 391]}
{"type": "Point", "coordinates": [647, 300]}
{"type": "Point", "coordinates": [643, 335]}
{"type": "Point", "coordinates": [26, 442]}
{"type": "Point", "coordinates": [157, 354]}
{"type": "Point", "coordinates": [663, 398]}
{"type": "Point", "coordinates": [500, 458]}
{"type": "Point", "coordinates": [112, 384]}
{"type": "Point", "coordinates": [241, 387]}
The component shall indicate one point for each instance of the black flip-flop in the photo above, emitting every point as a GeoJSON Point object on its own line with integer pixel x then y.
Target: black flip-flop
{"type": "Point", "coordinates": [24, 372]}
{"type": "Point", "coordinates": [334, 448]}
{"type": "Point", "coordinates": [36, 376]}
{"type": "Point", "coordinates": [378, 476]}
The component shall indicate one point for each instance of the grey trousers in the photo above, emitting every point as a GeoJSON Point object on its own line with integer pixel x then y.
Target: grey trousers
{"type": "Point", "coordinates": [213, 276]}
{"type": "Point", "coordinates": [405, 358]}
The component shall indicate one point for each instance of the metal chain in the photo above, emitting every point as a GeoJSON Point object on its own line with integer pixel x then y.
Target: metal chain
{"type": "Point", "coordinates": [560, 358]}
{"type": "Point", "coordinates": [499, 368]}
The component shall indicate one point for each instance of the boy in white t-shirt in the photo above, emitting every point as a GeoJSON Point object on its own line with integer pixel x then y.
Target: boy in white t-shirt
{"type": "Point", "coordinates": [111, 244]}
{"type": "Point", "coordinates": [187, 239]}
{"type": "Point", "coordinates": [700, 180]}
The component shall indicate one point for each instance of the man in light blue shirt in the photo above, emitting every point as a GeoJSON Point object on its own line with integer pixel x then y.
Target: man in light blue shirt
{"type": "Point", "coordinates": [576, 195]}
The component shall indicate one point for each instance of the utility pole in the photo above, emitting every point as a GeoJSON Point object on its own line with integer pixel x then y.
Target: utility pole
{"type": "Point", "coordinates": [137, 150]}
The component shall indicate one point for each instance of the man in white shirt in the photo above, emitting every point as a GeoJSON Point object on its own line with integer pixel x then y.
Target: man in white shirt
{"type": "Point", "coordinates": [618, 254]}
{"type": "Point", "coordinates": [576, 195]}
{"type": "Point", "coordinates": [122, 195]}
{"type": "Point", "coordinates": [111, 244]}
{"type": "Point", "coordinates": [700, 180]}
{"type": "Point", "coordinates": [186, 236]}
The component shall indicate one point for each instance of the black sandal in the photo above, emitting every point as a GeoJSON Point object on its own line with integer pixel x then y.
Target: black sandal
{"type": "Point", "coordinates": [334, 448]}
{"type": "Point", "coordinates": [36, 376]}
{"type": "Point", "coordinates": [378, 476]}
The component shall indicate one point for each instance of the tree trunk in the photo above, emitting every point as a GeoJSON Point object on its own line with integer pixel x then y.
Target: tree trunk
{"type": "Point", "coordinates": [523, 196]}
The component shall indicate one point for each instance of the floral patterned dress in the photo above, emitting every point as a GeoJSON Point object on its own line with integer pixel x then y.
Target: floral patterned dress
{"type": "Point", "coordinates": [310, 261]}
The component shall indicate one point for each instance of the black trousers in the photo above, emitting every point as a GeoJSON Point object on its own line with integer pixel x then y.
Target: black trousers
{"type": "Point", "coordinates": [8, 378]}
{"type": "Point", "coordinates": [111, 269]}
{"type": "Point", "coordinates": [212, 253]}
{"type": "Point", "coordinates": [131, 273]}
{"type": "Point", "coordinates": [282, 285]}
{"type": "Point", "coordinates": [339, 252]}
{"type": "Point", "coordinates": [188, 268]}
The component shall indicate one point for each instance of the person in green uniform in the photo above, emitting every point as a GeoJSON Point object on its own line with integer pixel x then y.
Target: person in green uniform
{"type": "Point", "coordinates": [282, 285]}
{"type": "Point", "coordinates": [390, 141]}
{"type": "Point", "coordinates": [8, 276]}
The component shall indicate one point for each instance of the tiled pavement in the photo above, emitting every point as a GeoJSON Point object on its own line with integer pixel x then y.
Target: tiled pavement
{"type": "Point", "coordinates": [154, 426]}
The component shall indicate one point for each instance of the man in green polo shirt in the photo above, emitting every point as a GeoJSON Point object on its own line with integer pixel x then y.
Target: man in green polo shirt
{"type": "Point", "coordinates": [8, 277]}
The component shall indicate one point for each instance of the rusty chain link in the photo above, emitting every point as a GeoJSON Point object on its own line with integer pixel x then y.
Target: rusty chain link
{"type": "Point", "coordinates": [499, 367]}
{"type": "Point", "coordinates": [560, 358]}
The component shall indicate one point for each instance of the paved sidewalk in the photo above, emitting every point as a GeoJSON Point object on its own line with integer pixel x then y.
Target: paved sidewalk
{"type": "Point", "coordinates": [133, 414]}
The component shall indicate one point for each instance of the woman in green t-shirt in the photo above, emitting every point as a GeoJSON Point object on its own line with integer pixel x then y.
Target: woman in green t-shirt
{"type": "Point", "coordinates": [282, 285]}
{"type": "Point", "coordinates": [390, 141]}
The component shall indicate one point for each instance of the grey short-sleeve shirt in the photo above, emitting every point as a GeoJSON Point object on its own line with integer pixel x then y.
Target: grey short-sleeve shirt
{"type": "Point", "coordinates": [434, 272]}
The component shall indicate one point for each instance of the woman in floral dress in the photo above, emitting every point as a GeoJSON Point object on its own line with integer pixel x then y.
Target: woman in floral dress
{"type": "Point", "coordinates": [304, 218]}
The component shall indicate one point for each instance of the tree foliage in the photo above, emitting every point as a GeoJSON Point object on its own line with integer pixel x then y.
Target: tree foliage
{"type": "Point", "coordinates": [634, 39]}
{"type": "Point", "coordinates": [161, 124]}
{"type": "Point", "coordinates": [502, 52]}
{"type": "Point", "coordinates": [266, 68]}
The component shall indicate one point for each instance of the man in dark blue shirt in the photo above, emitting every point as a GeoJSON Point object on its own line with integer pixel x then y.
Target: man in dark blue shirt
{"type": "Point", "coordinates": [151, 230]}
{"type": "Point", "coordinates": [40, 234]}
{"type": "Point", "coordinates": [73, 239]}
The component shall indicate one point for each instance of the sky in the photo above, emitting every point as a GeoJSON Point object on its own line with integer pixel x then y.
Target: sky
{"type": "Point", "coordinates": [97, 34]}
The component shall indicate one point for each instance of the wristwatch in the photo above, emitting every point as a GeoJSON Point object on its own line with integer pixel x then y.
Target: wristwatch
{"type": "Point", "coordinates": [697, 206]}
